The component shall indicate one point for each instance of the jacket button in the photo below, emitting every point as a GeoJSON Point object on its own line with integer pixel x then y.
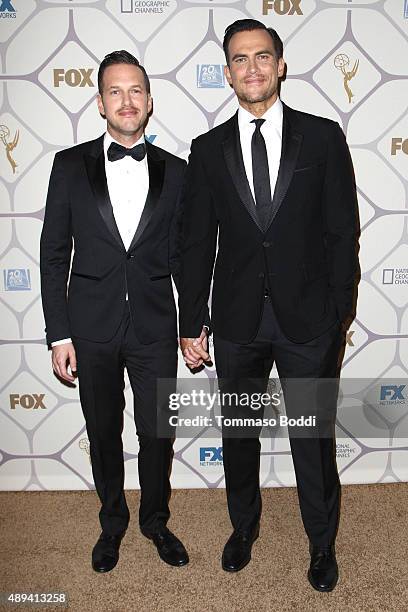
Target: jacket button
{"type": "Point", "coordinates": [130, 256]}
{"type": "Point", "coordinates": [266, 244]}
{"type": "Point", "coordinates": [261, 275]}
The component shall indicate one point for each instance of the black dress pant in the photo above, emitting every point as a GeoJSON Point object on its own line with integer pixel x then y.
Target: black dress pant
{"type": "Point", "coordinates": [101, 385]}
{"type": "Point", "coordinates": [313, 456]}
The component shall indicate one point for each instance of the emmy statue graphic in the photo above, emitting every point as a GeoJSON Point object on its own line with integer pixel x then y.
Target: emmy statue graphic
{"type": "Point", "coordinates": [84, 445]}
{"type": "Point", "coordinates": [341, 61]}
{"type": "Point", "coordinates": [4, 134]}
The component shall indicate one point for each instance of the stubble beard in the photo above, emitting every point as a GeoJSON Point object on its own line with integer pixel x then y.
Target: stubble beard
{"type": "Point", "coordinates": [256, 98]}
{"type": "Point", "coordinates": [126, 132]}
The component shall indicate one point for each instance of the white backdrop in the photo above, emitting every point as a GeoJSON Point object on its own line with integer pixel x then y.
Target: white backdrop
{"type": "Point", "coordinates": [346, 59]}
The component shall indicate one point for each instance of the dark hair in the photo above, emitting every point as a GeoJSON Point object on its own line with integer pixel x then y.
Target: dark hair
{"type": "Point", "coordinates": [120, 57]}
{"type": "Point", "coordinates": [245, 25]}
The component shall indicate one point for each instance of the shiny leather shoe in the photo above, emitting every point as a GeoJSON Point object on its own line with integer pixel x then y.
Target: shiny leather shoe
{"type": "Point", "coordinates": [237, 551]}
{"type": "Point", "coordinates": [105, 554]}
{"type": "Point", "coordinates": [170, 549]}
{"type": "Point", "coordinates": [323, 572]}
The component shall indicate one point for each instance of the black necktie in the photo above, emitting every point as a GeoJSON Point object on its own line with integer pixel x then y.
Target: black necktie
{"type": "Point", "coordinates": [260, 172]}
{"type": "Point", "coordinates": [116, 151]}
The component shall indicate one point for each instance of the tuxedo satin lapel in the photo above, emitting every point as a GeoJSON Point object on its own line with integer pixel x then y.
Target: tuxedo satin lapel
{"type": "Point", "coordinates": [235, 164]}
{"type": "Point", "coordinates": [95, 166]}
{"type": "Point", "coordinates": [291, 142]}
{"type": "Point", "coordinates": [156, 177]}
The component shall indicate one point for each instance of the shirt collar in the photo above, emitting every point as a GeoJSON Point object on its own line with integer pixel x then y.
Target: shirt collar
{"type": "Point", "coordinates": [274, 115]}
{"type": "Point", "coordinates": [108, 139]}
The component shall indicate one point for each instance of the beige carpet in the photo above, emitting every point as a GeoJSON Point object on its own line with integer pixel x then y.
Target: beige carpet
{"type": "Point", "coordinates": [47, 540]}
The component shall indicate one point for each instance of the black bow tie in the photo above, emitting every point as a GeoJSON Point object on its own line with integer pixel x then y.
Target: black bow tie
{"type": "Point", "coordinates": [116, 151]}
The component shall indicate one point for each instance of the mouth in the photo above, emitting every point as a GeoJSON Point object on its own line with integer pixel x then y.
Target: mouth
{"type": "Point", "coordinates": [129, 112]}
{"type": "Point", "coordinates": [254, 81]}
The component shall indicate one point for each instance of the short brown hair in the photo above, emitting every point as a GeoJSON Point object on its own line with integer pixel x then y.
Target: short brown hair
{"type": "Point", "coordinates": [120, 57]}
{"type": "Point", "coordinates": [246, 25]}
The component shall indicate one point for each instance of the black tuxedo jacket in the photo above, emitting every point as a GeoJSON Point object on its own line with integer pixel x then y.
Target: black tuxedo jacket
{"type": "Point", "coordinates": [79, 214]}
{"type": "Point", "coordinates": [305, 255]}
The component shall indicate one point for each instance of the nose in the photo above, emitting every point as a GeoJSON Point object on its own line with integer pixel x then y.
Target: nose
{"type": "Point", "coordinates": [252, 67]}
{"type": "Point", "coordinates": [126, 99]}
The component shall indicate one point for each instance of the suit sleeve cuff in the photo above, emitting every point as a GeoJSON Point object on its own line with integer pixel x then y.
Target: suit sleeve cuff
{"type": "Point", "coordinates": [64, 341]}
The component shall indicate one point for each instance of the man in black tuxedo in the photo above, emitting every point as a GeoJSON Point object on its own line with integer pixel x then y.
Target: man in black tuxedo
{"type": "Point", "coordinates": [116, 199]}
{"type": "Point", "coordinates": [276, 185]}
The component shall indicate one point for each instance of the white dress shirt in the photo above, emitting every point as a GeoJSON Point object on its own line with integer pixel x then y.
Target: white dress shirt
{"type": "Point", "coordinates": [128, 184]}
{"type": "Point", "coordinates": [272, 133]}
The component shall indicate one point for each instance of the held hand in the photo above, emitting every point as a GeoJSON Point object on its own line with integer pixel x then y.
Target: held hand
{"type": "Point", "coordinates": [62, 356]}
{"type": "Point", "coordinates": [195, 350]}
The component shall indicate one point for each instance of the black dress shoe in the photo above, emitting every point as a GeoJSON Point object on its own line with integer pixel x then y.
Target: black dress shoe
{"type": "Point", "coordinates": [170, 549]}
{"type": "Point", "coordinates": [105, 554]}
{"type": "Point", "coordinates": [237, 551]}
{"type": "Point", "coordinates": [323, 572]}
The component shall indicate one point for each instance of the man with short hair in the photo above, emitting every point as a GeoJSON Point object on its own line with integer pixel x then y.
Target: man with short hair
{"type": "Point", "coordinates": [277, 187]}
{"type": "Point", "coordinates": [116, 198]}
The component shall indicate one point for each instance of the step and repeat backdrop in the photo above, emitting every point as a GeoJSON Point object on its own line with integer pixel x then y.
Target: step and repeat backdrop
{"type": "Point", "coordinates": [346, 60]}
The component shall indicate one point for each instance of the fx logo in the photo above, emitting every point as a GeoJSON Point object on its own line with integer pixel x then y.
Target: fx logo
{"type": "Point", "coordinates": [7, 6]}
{"type": "Point", "coordinates": [392, 392]}
{"type": "Point", "coordinates": [211, 453]}
{"type": "Point", "coordinates": [73, 77]}
{"type": "Point", "coordinates": [282, 7]}
{"type": "Point", "coordinates": [27, 401]}
{"type": "Point", "coordinates": [398, 144]}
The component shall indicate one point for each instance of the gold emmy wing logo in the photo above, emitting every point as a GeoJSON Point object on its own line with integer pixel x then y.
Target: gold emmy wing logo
{"type": "Point", "coordinates": [84, 445]}
{"type": "Point", "coordinates": [342, 62]}
{"type": "Point", "coordinates": [4, 135]}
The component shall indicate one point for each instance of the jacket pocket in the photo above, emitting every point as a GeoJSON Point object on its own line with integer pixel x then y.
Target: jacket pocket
{"type": "Point", "coordinates": [308, 167]}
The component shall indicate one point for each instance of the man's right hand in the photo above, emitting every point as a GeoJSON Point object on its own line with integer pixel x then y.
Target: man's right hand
{"type": "Point", "coordinates": [195, 350]}
{"type": "Point", "coordinates": [63, 355]}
